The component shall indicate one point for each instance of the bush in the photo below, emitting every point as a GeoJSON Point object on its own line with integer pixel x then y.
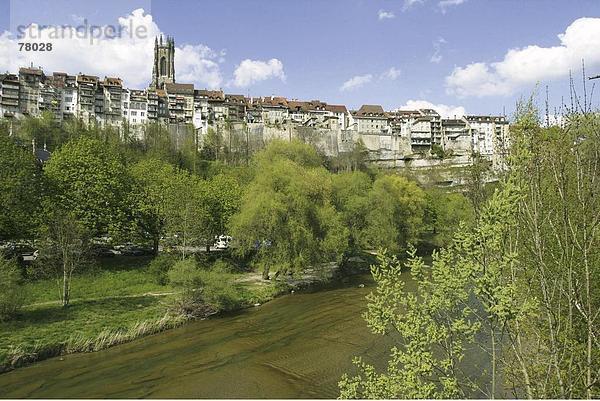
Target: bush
{"type": "Point", "coordinates": [159, 268]}
{"type": "Point", "coordinates": [224, 266]}
{"type": "Point", "coordinates": [204, 291]}
{"type": "Point", "coordinates": [185, 274]}
{"type": "Point", "coordinates": [12, 295]}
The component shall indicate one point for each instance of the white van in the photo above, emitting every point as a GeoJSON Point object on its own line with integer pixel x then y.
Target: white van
{"type": "Point", "coordinates": [222, 242]}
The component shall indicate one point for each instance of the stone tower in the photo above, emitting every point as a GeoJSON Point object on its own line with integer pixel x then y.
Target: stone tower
{"type": "Point", "coordinates": [163, 70]}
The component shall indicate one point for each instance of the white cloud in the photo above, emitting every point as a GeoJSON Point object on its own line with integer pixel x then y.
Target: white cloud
{"type": "Point", "coordinates": [436, 57]}
{"type": "Point", "coordinates": [445, 4]}
{"type": "Point", "coordinates": [249, 71]}
{"type": "Point", "coordinates": [444, 110]}
{"type": "Point", "coordinates": [528, 65]}
{"type": "Point", "coordinates": [409, 3]}
{"type": "Point", "coordinates": [393, 73]}
{"type": "Point", "coordinates": [356, 82]}
{"type": "Point", "coordinates": [197, 64]}
{"type": "Point", "coordinates": [128, 56]}
{"type": "Point", "coordinates": [385, 15]}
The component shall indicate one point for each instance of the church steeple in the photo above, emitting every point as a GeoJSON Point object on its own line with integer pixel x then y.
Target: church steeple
{"type": "Point", "coordinates": [163, 69]}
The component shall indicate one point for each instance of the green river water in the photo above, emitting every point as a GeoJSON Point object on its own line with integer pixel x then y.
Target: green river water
{"type": "Point", "coordinates": [296, 346]}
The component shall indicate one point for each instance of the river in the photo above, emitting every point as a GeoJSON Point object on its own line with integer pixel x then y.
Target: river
{"type": "Point", "coordinates": [296, 346]}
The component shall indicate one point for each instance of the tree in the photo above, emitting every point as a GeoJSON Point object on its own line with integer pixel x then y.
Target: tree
{"type": "Point", "coordinates": [211, 145]}
{"type": "Point", "coordinates": [287, 215]}
{"type": "Point", "coordinates": [44, 130]}
{"type": "Point", "coordinates": [185, 210]}
{"type": "Point", "coordinates": [152, 183]}
{"type": "Point", "coordinates": [444, 213]}
{"type": "Point", "coordinates": [463, 303]}
{"type": "Point", "coordinates": [88, 179]}
{"type": "Point", "coordinates": [221, 197]}
{"type": "Point", "coordinates": [65, 248]}
{"type": "Point", "coordinates": [351, 199]}
{"type": "Point", "coordinates": [395, 214]}
{"type": "Point", "coordinates": [528, 286]}
{"type": "Point", "coordinates": [20, 191]}
{"type": "Point", "coordinates": [300, 153]}
{"type": "Point", "coordinates": [204, 292]}
{"type": "Point", "coordinates": [12, 293]}
{"type": "Point", "coordinates": [477, 189]}
{"type": "Point", "coordinates": [558, 239]}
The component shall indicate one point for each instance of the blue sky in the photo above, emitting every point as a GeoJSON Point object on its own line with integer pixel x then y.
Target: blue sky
{"type": "Point", "coordinates": [320, 45]}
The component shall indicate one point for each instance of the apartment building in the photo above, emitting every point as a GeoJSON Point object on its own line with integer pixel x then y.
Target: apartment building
{"type": "Point", "coordinates": [107, 102]}
{"type": "Point", "coordinates": [30, 83]}
{"type": "Point", "coordinates": [9, 95]}
{"type": "Point", "coordinates": [180, 99]}
{"type": "Point", "coordinates": [370, 119]}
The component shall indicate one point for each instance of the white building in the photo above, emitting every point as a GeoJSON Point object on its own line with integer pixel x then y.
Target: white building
{"type": "Point", "coordinates": [489, 134]}
{"type": "Point", "coordinates": [135, 106]}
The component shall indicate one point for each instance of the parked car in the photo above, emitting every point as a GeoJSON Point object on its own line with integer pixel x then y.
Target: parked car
{"type": "Point", "coordinates": [222, 242]}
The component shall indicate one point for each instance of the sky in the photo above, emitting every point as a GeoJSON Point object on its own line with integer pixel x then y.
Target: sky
{"type": "Point", "coordinates": [457, 56]}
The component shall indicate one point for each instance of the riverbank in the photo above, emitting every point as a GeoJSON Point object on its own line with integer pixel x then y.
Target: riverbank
{"type": "Point", "coordinates": [120, 305]}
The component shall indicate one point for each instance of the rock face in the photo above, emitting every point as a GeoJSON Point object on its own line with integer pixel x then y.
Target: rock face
{"type": "Point", "coordinates": [393, 151]}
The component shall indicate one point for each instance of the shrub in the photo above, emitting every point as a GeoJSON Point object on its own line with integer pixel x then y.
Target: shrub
{"type": "Point", "coordinates": [159, 268]}
{"type": "Point", "coordinates": [224, 266]}
{"type": "Point", "coordinates": [204, 291]}
{"type": "Point", "coordinates": [185, 274]}
{"type": "Point", "coordinates": [12, 295]}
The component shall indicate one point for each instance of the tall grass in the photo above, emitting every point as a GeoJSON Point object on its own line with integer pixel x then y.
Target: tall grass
{"type": "Point", "coordinates": [24, 354]}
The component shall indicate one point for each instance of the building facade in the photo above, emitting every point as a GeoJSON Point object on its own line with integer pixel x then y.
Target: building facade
{"type": "Point", "coordinates": [106, 102]}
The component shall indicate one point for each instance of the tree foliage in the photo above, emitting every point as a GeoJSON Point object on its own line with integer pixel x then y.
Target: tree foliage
{"type": "Point", "coordinates": [89, 180]}
{"type": "Point", "coordinates": [395, 214]}
{"type": "Point", "coordinates": [519, 287]}
{"type": "Point", "coordinates": [20, 191]}
{"type": "Point", "coordinates": [287, 213]}
{"type": "Point", "coordinates": [12, 292]}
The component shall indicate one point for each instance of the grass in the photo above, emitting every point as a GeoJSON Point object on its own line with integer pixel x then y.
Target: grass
{"type": "Point", "coordinates": [114, 277]}
{"type": "Point", "coordinates": [110, 305]}
{"type": "Point", "coordinates": [51, 327]}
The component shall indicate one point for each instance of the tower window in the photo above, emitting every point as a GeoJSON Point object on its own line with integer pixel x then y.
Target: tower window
{"type": "Point", "coordinates": [163, 66]}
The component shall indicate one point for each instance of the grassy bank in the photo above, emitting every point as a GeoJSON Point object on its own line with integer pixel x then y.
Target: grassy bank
{"type": "Point", "coordinates": [116, 304]}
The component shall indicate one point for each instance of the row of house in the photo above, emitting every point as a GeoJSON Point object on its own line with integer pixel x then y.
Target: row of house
{"type": "Point", "coordinates": [107, 102]}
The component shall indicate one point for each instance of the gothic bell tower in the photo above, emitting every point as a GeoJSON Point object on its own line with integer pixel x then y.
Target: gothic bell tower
{"type": "Point", "coordinates": [163, 70]}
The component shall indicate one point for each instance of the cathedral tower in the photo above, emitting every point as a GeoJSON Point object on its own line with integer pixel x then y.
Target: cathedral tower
{"type": "Point", "coordinates": [163, 70]}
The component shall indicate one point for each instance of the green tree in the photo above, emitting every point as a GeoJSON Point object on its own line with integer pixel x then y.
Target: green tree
{"type": "Point", "coordinates": [152, 184]}
{"type": "Point", "coordinates": [394, 219]}
{"type": "Point", "coordinates": [477, 189]}
{"type": "Point", "coordinates": [20, 191]}
{"type": "Point", "coordinates": [444, 213]}
{"type": "Point", "coordinates": [185, 211]}
{"type": "Point", "coordinates": [558, 247]}
{"type": "Point", "coordinates": [351, 198]}
{"type": "Point", "coordinates": [527, 287]}
{"type": "Point", "coordinates": [204, 292]}
{"type": "Point", "coordinates": [463, 303]}
{"type": "Point", "coordinates": [12, 292]}
{"type": "Point", "coordinates": [287, 214]}
{"type": "Point", "coordinates": [64, 250]}
{"type": "Point", "coordinates": [88, 179]}
{"type": "Point", "coordinates": [221, 198]}
{"type": "Point", "coordinates": [212, 145]}
{"type": "Point", "coordinates": [44, 130]}
{"type": "Point", "coordinates": [302, 154]}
